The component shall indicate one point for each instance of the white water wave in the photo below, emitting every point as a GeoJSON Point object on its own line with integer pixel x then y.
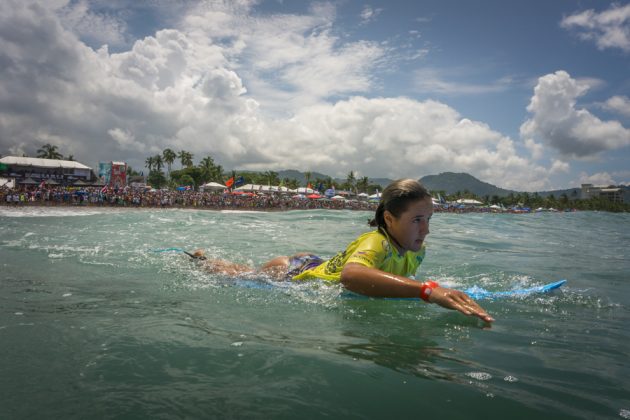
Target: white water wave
{"type": "Point", "coordinates": [51, 211]}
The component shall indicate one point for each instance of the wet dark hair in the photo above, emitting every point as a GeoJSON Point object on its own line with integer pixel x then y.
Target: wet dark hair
{"type": "Point", "coordinates": [396, 198]}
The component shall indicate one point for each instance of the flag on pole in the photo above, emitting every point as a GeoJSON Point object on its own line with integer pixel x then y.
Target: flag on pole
{"type": "Point", "coordinates": [239, 181]}
{"type": "Point", "coordinates": [229, 182]}
{"type": "Point", "coordinates": [104, 189]}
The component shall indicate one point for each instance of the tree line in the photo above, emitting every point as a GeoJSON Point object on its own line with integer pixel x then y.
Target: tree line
{"type": "Point", "coordinates": [208, 171]}
{"type": "Point", "coordinates": [534, 201]}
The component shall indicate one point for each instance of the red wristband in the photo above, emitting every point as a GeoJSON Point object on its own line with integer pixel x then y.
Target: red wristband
{"type": "Point", "coordinates": [426, 288]}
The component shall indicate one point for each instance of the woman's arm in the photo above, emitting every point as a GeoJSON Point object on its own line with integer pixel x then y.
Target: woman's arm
{"type": "Point", "coordinates": [370, 281]}
{"type": "Point", "coordinates": [374, 282]}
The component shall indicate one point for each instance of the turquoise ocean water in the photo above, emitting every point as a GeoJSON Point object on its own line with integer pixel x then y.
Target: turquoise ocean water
{"type": "Point", "coordinates": [95, 324]}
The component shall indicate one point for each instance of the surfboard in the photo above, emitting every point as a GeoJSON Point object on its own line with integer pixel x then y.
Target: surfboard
{"type": "Point", "coordinates": [479, 293]}
{"type": "Point", "coordinates": [475, 292]}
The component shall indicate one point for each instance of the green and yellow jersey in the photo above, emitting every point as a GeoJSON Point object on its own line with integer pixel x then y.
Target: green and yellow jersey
{"type": "Point", "coordinates": [372, 249]}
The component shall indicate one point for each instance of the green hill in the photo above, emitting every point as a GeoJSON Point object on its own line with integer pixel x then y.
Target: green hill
{"type": "Point", "coordinates": [299, 176]}
{"type": "Point", "coordinates": [451, 182]}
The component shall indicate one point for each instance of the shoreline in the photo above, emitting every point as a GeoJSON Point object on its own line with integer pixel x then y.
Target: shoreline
{"type": "Point", "coordinates": [95, 198]}
{"type": "Point", "coordinates": [25, 205]}
{"type": "Point", "coordinates": [270, 209]}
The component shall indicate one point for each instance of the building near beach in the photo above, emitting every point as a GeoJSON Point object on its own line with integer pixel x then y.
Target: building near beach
{"type": "Point", "coordinates": [610, 193]}
{"type": "Point", "coordinates": [25, 171]}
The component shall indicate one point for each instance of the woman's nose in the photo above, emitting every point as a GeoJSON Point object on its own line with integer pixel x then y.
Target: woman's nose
{"type": "Point", "coordinates": [424, 228]}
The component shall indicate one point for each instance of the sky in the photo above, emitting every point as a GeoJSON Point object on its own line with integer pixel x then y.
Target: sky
{"type": "Point", "coordinates": [529, 96]}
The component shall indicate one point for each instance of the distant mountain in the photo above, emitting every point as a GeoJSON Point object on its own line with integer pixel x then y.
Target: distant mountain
{"type": "Point", "coordinates": [299, 176]}
{"type": "Point", "coordinates": [383, 182]}
{"type": "Point", "coordinates": [572, 193]}
{"type": "Point", "coordinates": [451, 182]}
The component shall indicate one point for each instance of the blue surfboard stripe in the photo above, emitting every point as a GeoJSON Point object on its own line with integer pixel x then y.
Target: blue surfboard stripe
{"type": "Point", "coordinates": [478, 293]}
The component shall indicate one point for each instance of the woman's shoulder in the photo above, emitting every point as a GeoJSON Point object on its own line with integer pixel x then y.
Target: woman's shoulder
{"type": "Point", "coordinates": [373, 235]}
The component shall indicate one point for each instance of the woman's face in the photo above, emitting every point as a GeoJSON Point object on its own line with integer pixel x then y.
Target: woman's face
{"type": "Point", "coordinates": [410, 229]}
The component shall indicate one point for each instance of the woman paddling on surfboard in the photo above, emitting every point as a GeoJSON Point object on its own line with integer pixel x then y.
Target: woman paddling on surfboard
{"type": "Point", "coordinates": [377, 263]}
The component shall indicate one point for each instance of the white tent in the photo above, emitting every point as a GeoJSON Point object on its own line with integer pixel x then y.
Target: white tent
{"type": "Point", "coordinates": [7, 182]}
{"type": "Point", "coordinates": [338, 197]}
{"type": "Point", "coordinates": [248, 187]}
{"type": "Point", "coordinates": [469, 201]}
{"type": "Point", "coordinates": [43, 163]}
{"type": "Point", "coordinates": [304, 190]}
{"type": "Point", "coordinates": [213, 186]}
{"type": "Point", "coordinates": [263, 188]}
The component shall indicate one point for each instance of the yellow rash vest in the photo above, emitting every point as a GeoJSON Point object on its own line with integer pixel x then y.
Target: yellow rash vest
{"type": "Point", "coordinates": [372, 249]}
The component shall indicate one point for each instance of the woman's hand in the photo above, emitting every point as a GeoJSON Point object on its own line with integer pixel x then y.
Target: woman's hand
{"type": "Point", "coordinates": [459, 301]}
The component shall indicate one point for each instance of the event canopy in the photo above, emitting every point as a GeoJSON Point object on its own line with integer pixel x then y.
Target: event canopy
{"type": "Point", "coordinates": [264, 188]}
{"type": "Point", "coordinates": [305, 190]}
{"type": "Point", "coordinates": [29, 181]}
{"type": "Point", "coordinates": [469, 201]}
{"type": "Point", "coordinates": [213, 186]}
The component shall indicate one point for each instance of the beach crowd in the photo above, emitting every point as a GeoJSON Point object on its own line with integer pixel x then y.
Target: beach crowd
{"type": "Point", "coordinates": [223, 200]}
{"type": "Point", "coordinates": [128, 197]}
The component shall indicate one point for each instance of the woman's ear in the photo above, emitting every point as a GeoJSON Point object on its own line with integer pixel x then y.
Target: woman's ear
{"type": "Point", "coordinates": [388, 217]}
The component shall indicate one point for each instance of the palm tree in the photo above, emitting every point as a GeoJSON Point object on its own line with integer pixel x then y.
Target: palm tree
{"type": "Point", "coordinates": [70, 158]}
{"type": "Point", "coordinates": [291, 183]}
{"type": "Point", "coordinates": [186, 158]}
{"type": "Point", "coordinates": [48, 151]}
{"type": "Point", "coordinates": [218, 173]}
{"type": "Point", "coordinates": [169, 156]}
{"type": "Point", "coordinates": [207, 168]}
{"type": "Point", "coordinates": [272, 178]}
{"type": "Point", "coordinates": [158, 162]}
{"type": "Point", "coordinates": [363, 183]}
{"type": "Point", "coordinates": [351, 181]}
{"type": "Point", "coordinates": [149, 162]}
{"type": "Point", "coordinates": [307, 176]}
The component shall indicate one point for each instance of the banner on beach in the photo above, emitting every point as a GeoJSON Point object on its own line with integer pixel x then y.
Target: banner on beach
{"type": "Point", "coordinates": [118, 177]}
{"type": "Point", "coordinates": [104, 172]}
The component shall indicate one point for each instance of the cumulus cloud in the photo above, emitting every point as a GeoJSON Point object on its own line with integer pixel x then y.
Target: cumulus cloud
{"type": "Point", "coordinates": [287, 61]}
{"type": "Point", "coordinates": [368, 14]}
{"type": "Point", "coordinates": [98, 28]}
{"type": "Point", "coordinates": [619, 104]}
{"type": "Point", "coordinates": [537, 150]}
{"type": "Point", "coordinates": [125, 139]}
{"type": "Point", "coordinates": [559, 166]}
{"type": "Point", "coordinates": [600, 178]}
{"type": "Point", "coordinates": [559, 123]}
{"type": "Point", "coordinates": [608, 29]}
{"type": "Point", "coordinates": [397, 136]}
{"type": "Point", "coordinates": [207, 88]}
{"type": "Point", "coordinates": [429, 80]}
